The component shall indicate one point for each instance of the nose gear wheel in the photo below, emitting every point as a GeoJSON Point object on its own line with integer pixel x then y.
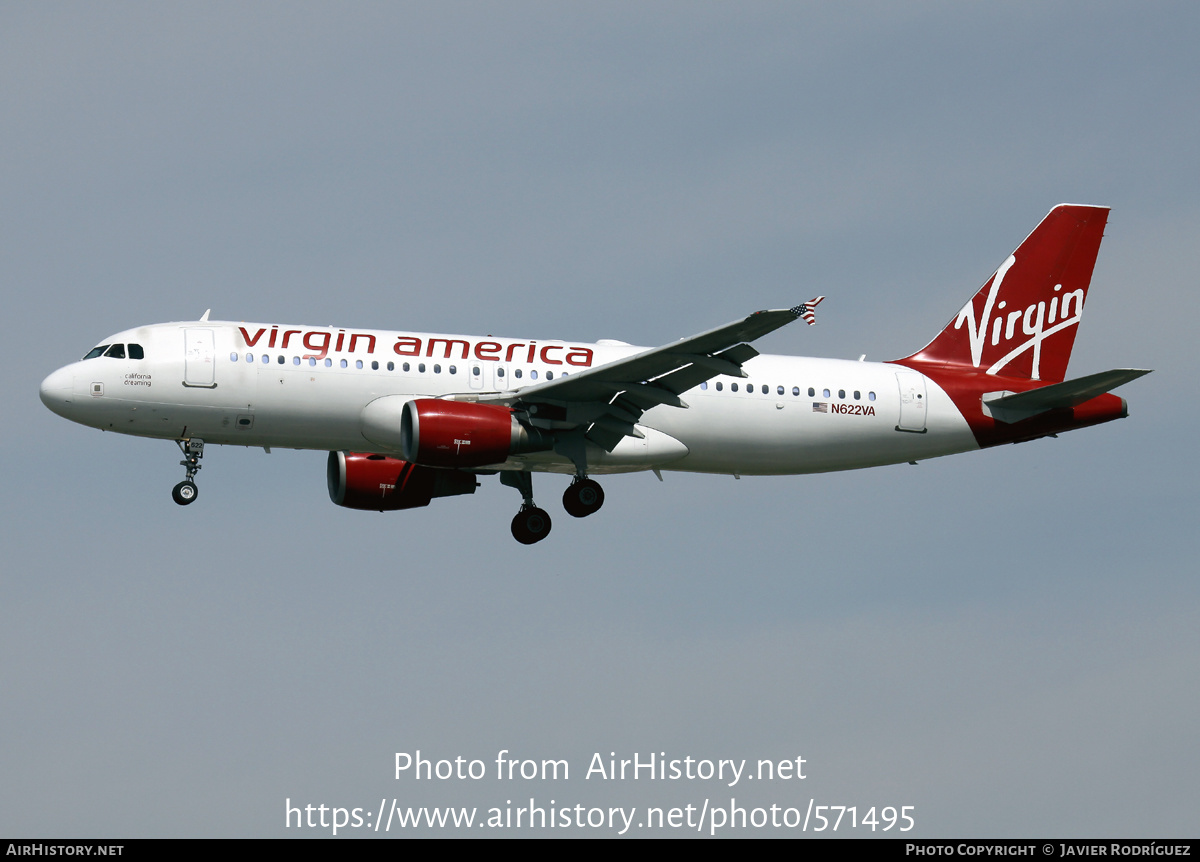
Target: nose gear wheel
{"type": "Point", "coordinates": [186, 491]}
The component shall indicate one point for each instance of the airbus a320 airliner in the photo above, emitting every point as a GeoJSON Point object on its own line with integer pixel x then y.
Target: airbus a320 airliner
{"type": "Point", "coordinates": [409, 416]}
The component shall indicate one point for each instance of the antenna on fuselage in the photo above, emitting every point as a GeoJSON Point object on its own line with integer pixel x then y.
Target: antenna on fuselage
{"type": "Point", "coordinates": [204, 317]}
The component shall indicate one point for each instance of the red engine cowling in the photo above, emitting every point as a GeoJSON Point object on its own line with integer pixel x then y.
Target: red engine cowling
{"type": "Point", "coordinates": [377, 482]}
{"type": "Point", "coordinates": [438, 433]}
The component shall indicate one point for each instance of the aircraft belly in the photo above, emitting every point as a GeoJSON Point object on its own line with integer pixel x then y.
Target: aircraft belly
{"type": "Point", "coordinates": [655, 449]}
{"type": "Point", "coordinates": [306, 410]}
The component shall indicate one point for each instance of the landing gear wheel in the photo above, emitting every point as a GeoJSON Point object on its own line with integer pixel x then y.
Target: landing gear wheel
{"type": "Point", "coordinates": [530, 525]}
{"type": "Point", "coordinates": [193, 450]}
{"type": "Point", "coordinates": [582, 498]}
{"type": "Point", "coordinates": [184, 493]}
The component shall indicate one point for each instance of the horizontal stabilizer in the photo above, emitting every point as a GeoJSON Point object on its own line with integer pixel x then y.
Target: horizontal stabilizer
{"type": "Point", "coordinates": [1013, 407]}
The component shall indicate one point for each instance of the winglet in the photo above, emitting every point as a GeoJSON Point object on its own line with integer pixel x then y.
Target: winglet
{"type": "Point", "coordinates": [807, 310]}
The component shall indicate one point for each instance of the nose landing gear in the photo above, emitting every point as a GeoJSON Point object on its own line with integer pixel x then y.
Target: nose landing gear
{"type": "Point", "coordinates": [186, 491]}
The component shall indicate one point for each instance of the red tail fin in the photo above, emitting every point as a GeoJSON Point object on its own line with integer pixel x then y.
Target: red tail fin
{"type": "Point", "coordinates": [1022, 322]}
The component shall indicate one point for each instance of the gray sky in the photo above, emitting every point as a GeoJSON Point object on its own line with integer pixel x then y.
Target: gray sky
{"type": "Point", "coordinates": [1006, 640]}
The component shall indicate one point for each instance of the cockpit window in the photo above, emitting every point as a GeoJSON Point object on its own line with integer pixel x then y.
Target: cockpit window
{"type": "Point", "coordinates": [116, 351]}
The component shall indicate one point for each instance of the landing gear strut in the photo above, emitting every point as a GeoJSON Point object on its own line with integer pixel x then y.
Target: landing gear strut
{"type": "Point", "coordinates": [531, 524]}
{"type": "Point", "coordinates": [186, 491]}
{"type": "Point", "coordinates": [583, 497]}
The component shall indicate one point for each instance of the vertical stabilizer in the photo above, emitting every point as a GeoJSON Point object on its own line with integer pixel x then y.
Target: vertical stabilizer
{"type": "Point", "coordinates": [1022, 322]}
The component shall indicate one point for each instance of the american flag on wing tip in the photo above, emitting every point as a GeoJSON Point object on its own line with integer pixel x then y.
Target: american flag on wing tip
{"type": "Point", "coordinates": [805, 310]}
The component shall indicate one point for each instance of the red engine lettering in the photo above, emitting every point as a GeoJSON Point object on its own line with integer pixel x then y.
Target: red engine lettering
{"type": "Point", "coordinates": [376, 482]}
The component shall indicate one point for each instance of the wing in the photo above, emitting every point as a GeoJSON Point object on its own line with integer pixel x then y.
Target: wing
{"type": "Point", "coordinates": [607, 401]}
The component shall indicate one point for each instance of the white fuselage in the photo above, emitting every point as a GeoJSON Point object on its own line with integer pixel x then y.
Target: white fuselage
{"type": "Point", "coordinates": [307, 388]}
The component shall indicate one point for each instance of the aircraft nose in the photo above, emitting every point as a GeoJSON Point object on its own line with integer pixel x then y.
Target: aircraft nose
{"type": "Point", "coordinates": [57, 390]}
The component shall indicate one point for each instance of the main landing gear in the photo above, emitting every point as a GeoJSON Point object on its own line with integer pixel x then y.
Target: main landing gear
{"type": "Point", "coordinates": [532, 524]}
{"type": "Point", "coordinates": [583, 497]}
{"type": "Point", "coordinates": [186, 491]}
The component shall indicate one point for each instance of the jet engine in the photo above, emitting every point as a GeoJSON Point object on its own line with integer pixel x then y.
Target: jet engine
{"type": "Point", "coordinates": [437, 433]}
{"type": "Point", "coordinates": [361, 481]}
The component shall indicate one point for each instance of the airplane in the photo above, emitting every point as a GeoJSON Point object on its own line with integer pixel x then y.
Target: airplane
{"type": "Point", "coordinates": [410, 416]}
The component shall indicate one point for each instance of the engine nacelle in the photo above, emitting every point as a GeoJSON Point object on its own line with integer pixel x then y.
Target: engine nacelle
{"type": "Point", "coordinates": [437, 433]}
{"type": "Point", "coordinates": [377, 482]}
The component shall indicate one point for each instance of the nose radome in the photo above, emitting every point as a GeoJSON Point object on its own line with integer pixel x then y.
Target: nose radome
{"type": "Point", "coordinates": [56, 391]}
